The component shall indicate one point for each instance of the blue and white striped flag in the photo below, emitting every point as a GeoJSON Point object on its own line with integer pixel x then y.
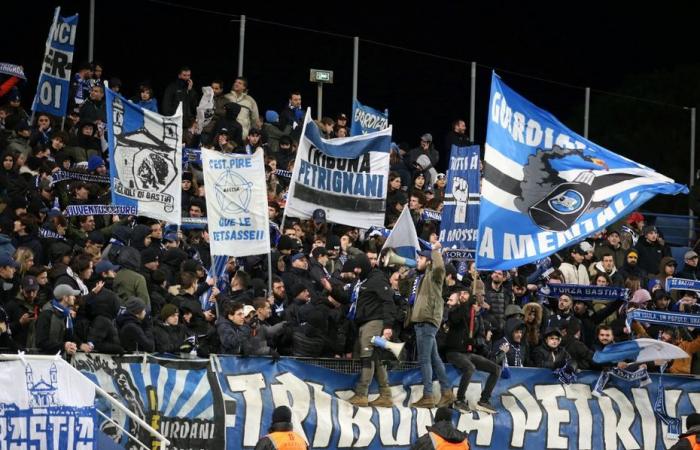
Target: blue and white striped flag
{"type": "Point", "coordinates": [546, 188]}
{"type": "Point", "coordinates": [216, 271]}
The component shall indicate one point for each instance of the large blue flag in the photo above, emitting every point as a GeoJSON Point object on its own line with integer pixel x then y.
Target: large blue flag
{"type": "Point", "coordinates": [403, 238]}
{"type": "Point", "coordinates": [145, 155]}
{"type": "Point", "coordinates": [460, 217]}
{"type": "Point", "coordinates": [546, 188]}
{"type": "Point", "coordinates": [367, 120]}
{"type": "Point", "coordinates": [54, 82]}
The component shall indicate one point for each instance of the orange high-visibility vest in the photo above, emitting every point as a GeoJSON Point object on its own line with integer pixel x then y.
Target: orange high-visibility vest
{"type": "Point", "coordinates": [440, 443]}
{"type": "Point", "coordinates": [287, 440]}
{"type": "Point", "coordinates": [693, 439]}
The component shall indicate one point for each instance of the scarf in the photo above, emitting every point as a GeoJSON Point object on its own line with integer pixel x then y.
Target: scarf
{"type": "Point", "coordinates": [353, 300]}
{"type": "Point", "coordinates": [65, 312]}
{"type": "Point", "coordinates": [414, 290]}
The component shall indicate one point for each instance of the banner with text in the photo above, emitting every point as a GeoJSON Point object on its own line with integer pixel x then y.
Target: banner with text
{"type": "Point", "coordinates": [367, 120]}
{"type": "Point", "coordinates": [460, 216]}
{"type": "Point", "coordinates": [546, 188]}
{"type": "Point", "coordinates": [173, 396]}
{"type": "Point", "coordinates": [346, 176]}
{"type": "Point", "coordinates": [145, 158]}
{"type": "Point", "coordinates": [236, 196]}
{"type": "Point", "coordinates": [54, 82]}
{"type": "Point", "coordinates": [45, 405]}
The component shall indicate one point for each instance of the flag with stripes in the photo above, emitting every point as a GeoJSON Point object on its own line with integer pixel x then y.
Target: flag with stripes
{"type": "Point", "coordinates": [545, 187]}
{"type": "Point", "coordinates": [346, 176]}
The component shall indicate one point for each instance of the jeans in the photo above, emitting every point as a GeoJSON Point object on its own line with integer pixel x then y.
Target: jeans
{"type": "Point", "coordinates": [468, 363]}
{"type": "Point", "coordinates": [429, 359]}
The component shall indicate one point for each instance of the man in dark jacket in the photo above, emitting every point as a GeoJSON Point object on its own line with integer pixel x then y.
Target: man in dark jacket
{"type": "Point", "coordinates": [550, 354]}
{"type": "Point", "coordinates": [281, 435]}
{"type": "Point", "coordinates": [631, 268]}
{"type": "Point", "coordinates": [54, 327]}
{"type": "Point", "coordinates": [690, 268]}
{"type": "Point", "coordinates": [425, 148]}
{"type": "Point", "coordinates": [442, 434]}
{"type": "Point", "coordinates": [613, 246]}
{"type": "Point", "coordinates": [465, 340]}
{"type": "Point", "coordinates": [22, 312]}
{"type": "Point", "coordinates": [690, 440]}
{"type": "Point", "coordinates": [498, 296]}
{"type": "Point", "coordinates": [135, 333]}
{"type": "Point", "coordinates": [373, 308]}
{"type": "Point", "coordinates": [168, 333]}
{"type": "Point", "coordinates": [650, 250]}
{"type": "Point", "coordinates": [234, 334]}
{"type": "Point", "coordinates": [457, 137]}
{"type": "Point", "coordinates": [512, 345]}
{"type": "Point", "coordinates": [581, 356]}
{"type": "Point", "coordinates": [102, 308]}
{"type": "Point", "coordinates": [94, 108]}
{"type": "Point", "coordinates": [181, 90]}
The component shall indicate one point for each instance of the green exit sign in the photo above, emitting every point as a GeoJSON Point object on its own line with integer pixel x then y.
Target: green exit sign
{"type": "Point", "coordinates": [321, 76]}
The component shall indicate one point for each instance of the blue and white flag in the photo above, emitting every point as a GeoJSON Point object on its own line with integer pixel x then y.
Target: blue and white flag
{"type": "Point", "coordinates": [367, 120]}
{"type": "Point", "coordinates": [217, 272]}
{"type": "Point", "coordinates": [682, 284]}
{"type": "Point", "coordinates": [236, 196]}
{"type": "Point", "coordinates": [546, 188]}
{"type": "Point", "coordinates": [54, 82]}
{"type": "Point", "coordinates": [460, 216]}
{"type": "Point", "coordinates": [403, 238]}
{"type": "Point", "coordinates": [145, 159]}
{"type": "Point", "coordinates": [46, 404]}
{"type": "Point", "coordinates": [347, 177]}
{"type": "Point", "coordinates": [639, 351]}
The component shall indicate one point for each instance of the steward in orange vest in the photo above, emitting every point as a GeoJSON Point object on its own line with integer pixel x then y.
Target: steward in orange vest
{"type": "Point", "coordinates": [442, 435]}
{"type": "Point", "coordinates": [281, 436]}
{"type": "Point", "coordinates": [690, 440]}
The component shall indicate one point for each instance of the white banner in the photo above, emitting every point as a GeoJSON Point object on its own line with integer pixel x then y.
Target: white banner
{"type": "Point", "coordinates": [236, 196]}
{"type": "Point", "coordinates": [46, 405]}
{"type": "Point", "coordinates": [347, 177]}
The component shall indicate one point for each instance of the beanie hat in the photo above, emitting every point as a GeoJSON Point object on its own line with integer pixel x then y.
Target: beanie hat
{"type": "Point", "coordinates": [167, 310]}
{"type": "Point", "coordinates": [94, 162]}
{"type": "Point", "coordinates": [443, 414]}
{"type": "Point", "coordinates": [135, 305]}
{"type": "Point", "coordinates": [271, 117]}
{"type": "Point", "coordinates": [640, 297]}
{"type": "Point", "coordinates": [282, 414]}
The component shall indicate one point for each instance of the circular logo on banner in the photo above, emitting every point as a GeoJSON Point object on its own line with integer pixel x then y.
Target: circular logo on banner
{"type": "Point", "coordinates": [568, 202]}
{"type": "Point", "coordinates": [233, 193]}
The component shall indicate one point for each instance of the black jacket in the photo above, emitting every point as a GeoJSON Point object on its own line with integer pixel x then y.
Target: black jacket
{"type": "Point", "coordinates": [375, 300]}
{"type": "Point", "coordinates": [135, 334]}
{"type": "Point", "coordinates": [168, 338]}
{"type": "Point", "coordinates": [581, 356]}
{"type": "Point", "coordinates": [523, 348]}
{"type": "Point", "coordinates": [177, 92]}
{"type": "Point", "coordinates": [650, 254]}
{"type": "Point", "coordinates": [546, 358]}
{"type": "Point", "coordinates": [462, 337]}
{"type": "Point", "coordinates": [444, 429]}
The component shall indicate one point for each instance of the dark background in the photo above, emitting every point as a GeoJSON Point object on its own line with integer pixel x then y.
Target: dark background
{"type": "Point", "coordinates": [624, 49]}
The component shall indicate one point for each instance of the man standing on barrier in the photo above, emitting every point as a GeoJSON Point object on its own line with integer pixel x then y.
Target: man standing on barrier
{"type": "Point", "coordinates": [372, 308]}
{"type": "Point", "coordinates": [282, 435]}
{"type": "Point", "coordinates": [424, 292]}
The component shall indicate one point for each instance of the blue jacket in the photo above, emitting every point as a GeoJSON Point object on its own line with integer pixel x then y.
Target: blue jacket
{"type": "Point", "coordinates": [234, 339]}
{"type": "Point", "coordinates": [151, 105]}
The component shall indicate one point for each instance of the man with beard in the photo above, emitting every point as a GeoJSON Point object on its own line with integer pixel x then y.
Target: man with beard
{"type": "Point", "coordinates": [632, 268]}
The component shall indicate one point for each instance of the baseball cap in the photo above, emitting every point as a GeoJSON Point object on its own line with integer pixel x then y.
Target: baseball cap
{"type": "Point", "coordinates": [63, 290]}
{"type": "Point", "coordinates": [319, 216]}
{"type": "Point", "coordinates": [8, 261]}
{"type": "Point", "coordinates": [172, 237]}
{"type": "Point", "coordinates": [298, 256]}
{"type": "Point", "coordinates": [105, 265]}
{"type": "Point", "coordinates": [427, 253]}
{"type": "Point", "coordinates": [247, 309]}
{"type": "Point", "coordinates": [690, 254]}
{"type": "Point", "coordinates": [29, 283]}
{"type": "Point", "coordinates": [319, 251]}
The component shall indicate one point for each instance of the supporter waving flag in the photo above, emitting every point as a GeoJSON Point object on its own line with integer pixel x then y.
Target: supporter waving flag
{"type": "Point", "coordinates": [546, 188]}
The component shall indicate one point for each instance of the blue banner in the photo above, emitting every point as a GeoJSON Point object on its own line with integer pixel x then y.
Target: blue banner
{"type": "Point", "coordinates": [460, 215]}
{"type": "Point", "coordinates": [535, 411]}
{"type": "Point", "coordinates": [431, 215]}
{"type": "Point", "coordinates": [227, 402]}
{"type": "Point", "coordinates": [675, 284]}
{"type": "Point", "coordinates": [54, 82]}
{"type": "Point", "coordinates": [585, 292]}
{"type": "Point", "coordinates": [367, 120]}
{"type": "Point", "coordinates": [546, 188]}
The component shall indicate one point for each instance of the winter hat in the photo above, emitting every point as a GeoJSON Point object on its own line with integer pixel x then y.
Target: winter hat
{"type": "Point", "coordinates": [167, 310]}
{"type": "Point", "coordinates": [282, 414]}
{"type": "Point", "coordinates": [135, 305]}
{"type": "Point", "coordinates": [443, 414]}
{"type": "Point", "coordinates": [94, 162]}
{"type": "Point", "coordinates": [640, 297]}
{"type": "Point", "coordinates": [298, 289]}
{"type": "Point", "coordinates": [271, 117]}
{"type": "Point", "coordinates": [149, 255]}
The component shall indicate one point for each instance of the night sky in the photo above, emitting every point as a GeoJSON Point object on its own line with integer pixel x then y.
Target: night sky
{"type": "Point", "coordinates": [607, 46]}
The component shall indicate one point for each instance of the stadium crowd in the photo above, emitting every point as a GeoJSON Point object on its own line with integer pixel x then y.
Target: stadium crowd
{"type": "Point", "coordinates": [114, 284]}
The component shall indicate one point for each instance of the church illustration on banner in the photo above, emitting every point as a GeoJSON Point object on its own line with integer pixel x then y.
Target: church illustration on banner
{"type": "Point", "coordinates": [42, 393]}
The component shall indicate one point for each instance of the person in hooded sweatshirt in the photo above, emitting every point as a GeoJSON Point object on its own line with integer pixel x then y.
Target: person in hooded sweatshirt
{"type": "Point", "coordinates": [513, 345]}
{"type": "Point", "coordinates": [102, 309]}
{"type": "Point", "coordinates": [129, 282]}
{"type": "Point", "coordinates": [230, 124]}
{"type": "Point", "coordinates": [442, 434]}
{"type": "Point", "coordinates": [135, 330]}
{"type": "Point", "coordinates": [550, 354]}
